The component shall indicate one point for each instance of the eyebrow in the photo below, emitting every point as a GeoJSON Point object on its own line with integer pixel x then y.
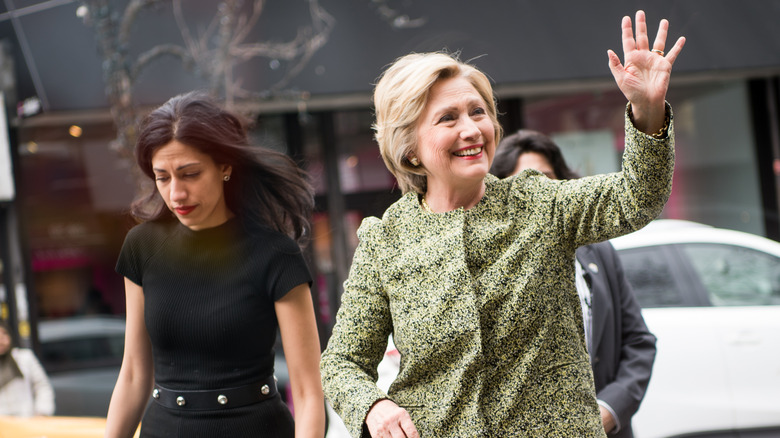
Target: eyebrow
{"type": "Point", "coordinates": [183, 166]}
{"type": "Point", "coordinates": [475, 101]}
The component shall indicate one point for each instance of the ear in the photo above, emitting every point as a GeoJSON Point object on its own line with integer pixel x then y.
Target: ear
{"type": "Point", "coordinates": [226, 169]}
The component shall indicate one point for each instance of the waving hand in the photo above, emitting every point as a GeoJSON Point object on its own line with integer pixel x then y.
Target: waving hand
{"type": "Point", "coordinates": [644, 76]}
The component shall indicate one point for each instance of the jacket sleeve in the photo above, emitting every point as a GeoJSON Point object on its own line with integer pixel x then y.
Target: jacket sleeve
{"type": "Point", "coordinates": [637, 346]}
{"type": "Point", "coordinates": [357, 345]}
{"type": "Point", "coordinates": [600, 207]}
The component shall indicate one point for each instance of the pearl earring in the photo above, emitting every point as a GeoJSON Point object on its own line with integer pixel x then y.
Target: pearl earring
{"type": "Point", "coordinates": [226, 178]}
{"type": "Point", "coordinates": [415, 162]}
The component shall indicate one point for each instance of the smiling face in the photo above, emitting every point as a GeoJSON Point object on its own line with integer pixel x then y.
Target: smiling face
{"type": "Point", "coordinates": [455, 136]}
{"type": "Point", "coordinates": [536, 161]}
{"type": "Point", "coordinates": [191, 185]}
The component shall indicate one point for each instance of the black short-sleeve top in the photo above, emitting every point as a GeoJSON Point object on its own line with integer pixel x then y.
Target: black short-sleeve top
{"type": "Point", "coordinates": [209, 299]}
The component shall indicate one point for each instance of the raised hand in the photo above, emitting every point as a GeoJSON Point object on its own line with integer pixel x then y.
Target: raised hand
{"type": "Point", "coordinates": [644, 76]}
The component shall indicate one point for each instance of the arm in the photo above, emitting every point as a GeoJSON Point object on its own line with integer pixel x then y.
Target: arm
{"type": "Point", "coordinates": [297, 324]}
{"type": "Point", "coordinates": [607, 206]}
{"type": "Point", "coordinates": [357, 345]}
{"type": "Point", "coordinates": [136, 377]}
{"type": "Point", "coordinates": [637, 347]}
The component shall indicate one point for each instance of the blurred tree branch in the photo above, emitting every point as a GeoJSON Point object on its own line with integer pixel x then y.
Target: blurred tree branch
{"type": "Point", "coordinates": [213, 55]}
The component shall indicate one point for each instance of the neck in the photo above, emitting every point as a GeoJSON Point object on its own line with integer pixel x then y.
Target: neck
{"type": "Point", "coordinates": [445, 199]}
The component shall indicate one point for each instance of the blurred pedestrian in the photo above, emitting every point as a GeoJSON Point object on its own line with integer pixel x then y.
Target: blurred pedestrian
{"type": "Point", "coordinates": [25, 389]}
{"type": "Point", "coordinates": [622, 349]}
{"type": "Point", "coordinates": [474, 276]}
{"type": "Point", "coordinates": [210, 274]}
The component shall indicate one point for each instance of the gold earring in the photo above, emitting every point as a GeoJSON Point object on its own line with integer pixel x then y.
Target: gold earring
{"type": "Point", "coordinates": [226, 178]}
{"type": "Point", "coordinates": [415, 162]}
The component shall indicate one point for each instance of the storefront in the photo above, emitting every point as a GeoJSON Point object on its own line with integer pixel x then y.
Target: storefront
{"type": "Point", "coordinates": [73, 190]}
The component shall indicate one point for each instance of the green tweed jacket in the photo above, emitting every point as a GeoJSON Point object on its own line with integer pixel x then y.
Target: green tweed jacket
{"type": "Point", "coordinates": [482, 304]}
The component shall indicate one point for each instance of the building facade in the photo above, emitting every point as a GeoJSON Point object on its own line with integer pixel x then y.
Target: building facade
{"type": "Point", "coordinates": [549, 67]}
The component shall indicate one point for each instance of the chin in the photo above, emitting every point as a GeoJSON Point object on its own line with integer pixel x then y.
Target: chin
{"type": "Point", "coordinates": [477, 172]}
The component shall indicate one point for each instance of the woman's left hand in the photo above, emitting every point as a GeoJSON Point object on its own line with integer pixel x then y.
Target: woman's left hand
{"type": "Point", "coordinates": [644, 77]}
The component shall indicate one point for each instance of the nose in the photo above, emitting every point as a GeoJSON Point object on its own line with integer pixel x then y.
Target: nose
{"type": "Point", "coordinates": [469, 129]}
{"type": "Point", "coordinates": [178, 190]}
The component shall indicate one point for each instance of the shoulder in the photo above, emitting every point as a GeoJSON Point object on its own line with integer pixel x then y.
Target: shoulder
{"type": "Point", "coordinates": [23, 356]}
{"type": "Point", "coordinates": [529, 180]}
{"type": "Point", "coordinates": [264, 238]}
{"type": "Point", "coordinates": [527, 190]}
{"type": "Point", "coordinates": [147, 238]}
{"type": "Point", "coordinates": [21, 352]}
{"type": "Point", "coordinates": [370, 227]}
{"type": "Point", "coordinates": [398, 215]}
{"type": "Point", "coordinates": [150, 230]}
{"type": "Point", "coordinates": [602, 253]}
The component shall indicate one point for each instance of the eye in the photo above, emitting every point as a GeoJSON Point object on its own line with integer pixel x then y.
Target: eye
{"type": "Point", "coordinates": [191, 174]}
{"type": "Point", "coordinates": [446, 118]}
{"type": "Point", "coordinates": [161, 178]}
{"type": "Point", "coordinates": [479, 111]}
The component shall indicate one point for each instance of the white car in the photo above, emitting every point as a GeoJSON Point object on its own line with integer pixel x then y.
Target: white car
{"type": "Point", "coordinates": [712, 298]}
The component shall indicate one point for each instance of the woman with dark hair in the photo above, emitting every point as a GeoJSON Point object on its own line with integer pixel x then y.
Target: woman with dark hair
{"type": "Point", "coordinates": [25, 389]}
{"type": "Point", "coordinates": [621, 348]}
{"type": "Point", "coordinates": [522, 142]}
{"type": "Point", "coordinates": [210, 273]}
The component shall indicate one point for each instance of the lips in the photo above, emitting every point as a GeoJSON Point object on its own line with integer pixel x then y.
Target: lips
{"type": "Point", "coordinates": [184, 211]}
{"type": "Point", "coordinates": [471, 151]}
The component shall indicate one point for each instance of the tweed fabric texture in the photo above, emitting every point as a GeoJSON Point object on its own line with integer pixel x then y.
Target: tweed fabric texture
{"type": "Point", "coordinates": [482, 304]}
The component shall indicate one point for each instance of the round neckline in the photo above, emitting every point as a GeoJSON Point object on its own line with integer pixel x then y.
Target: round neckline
{"type": "Point", "coordinates": [210, 231]}
{"type": "Point", "coordinates": [418, 198]}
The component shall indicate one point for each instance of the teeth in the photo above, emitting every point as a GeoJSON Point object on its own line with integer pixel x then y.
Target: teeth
{"type": "Point", "coordinates": [469, 152]}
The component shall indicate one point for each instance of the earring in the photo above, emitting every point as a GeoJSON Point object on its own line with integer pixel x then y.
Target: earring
{"type": "Point", "coordinates": [226, 178]}
{"type": "Point", "coordinates": [415, 162]}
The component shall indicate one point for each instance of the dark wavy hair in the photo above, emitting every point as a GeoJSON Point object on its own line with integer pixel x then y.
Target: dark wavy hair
{"type": "Point", "coordinates": [266, 187]}
{"type": "Point", "coordinates": [526, 140]}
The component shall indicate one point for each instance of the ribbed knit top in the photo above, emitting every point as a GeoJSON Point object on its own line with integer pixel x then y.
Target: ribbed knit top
{"type": "Point", "coordinates": [209, 299]}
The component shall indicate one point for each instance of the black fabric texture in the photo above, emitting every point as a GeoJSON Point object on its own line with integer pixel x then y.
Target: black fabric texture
{"type": "Point", "coordinates": [209, 306]}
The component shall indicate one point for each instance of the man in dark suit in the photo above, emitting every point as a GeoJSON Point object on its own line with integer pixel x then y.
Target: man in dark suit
{"type": "Point", "coordinates": [622, 349]}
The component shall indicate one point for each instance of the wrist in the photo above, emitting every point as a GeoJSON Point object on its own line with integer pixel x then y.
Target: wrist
{"type": "Point", "coordinates": [653, 123]}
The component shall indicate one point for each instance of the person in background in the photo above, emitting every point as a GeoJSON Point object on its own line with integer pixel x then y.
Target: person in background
{"type": "Point", "coordinates": [25, 389]}
{"type": "Point", "coordinates": [212, 271]}
{"type": "Point", "coordinates": [622, 349]}
{"type": "Point", "coordinates": [474, 275]}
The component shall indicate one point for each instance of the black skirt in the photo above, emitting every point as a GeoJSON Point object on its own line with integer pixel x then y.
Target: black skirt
{"type": "Point", "coordinates": [268, 418]}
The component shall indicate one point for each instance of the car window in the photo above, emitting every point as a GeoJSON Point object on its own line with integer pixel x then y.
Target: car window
{"type": "Point", "coordinates": [736, 276]}
{"type": "Point", "coordinates": [651, 277]}
{"type": "Point", "coordinates": [86, 352]}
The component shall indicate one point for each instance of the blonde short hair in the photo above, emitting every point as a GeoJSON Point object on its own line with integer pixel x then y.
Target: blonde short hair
{"type": "Point", "coordinates": [400, 97]}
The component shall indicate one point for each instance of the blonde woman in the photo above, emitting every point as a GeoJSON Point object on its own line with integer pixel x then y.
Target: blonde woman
{"type": "Point", "coordinates": [474, 276]}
